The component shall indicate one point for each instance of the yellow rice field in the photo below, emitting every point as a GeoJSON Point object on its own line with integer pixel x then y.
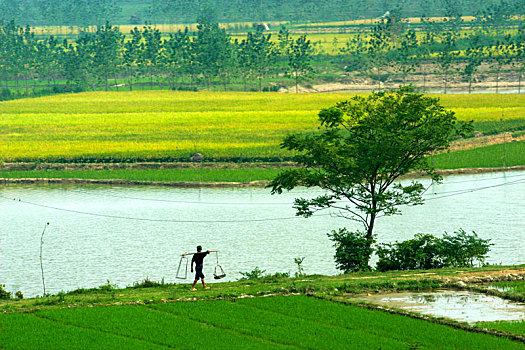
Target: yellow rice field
{"type": "Point", "coordinates": [166, 125]}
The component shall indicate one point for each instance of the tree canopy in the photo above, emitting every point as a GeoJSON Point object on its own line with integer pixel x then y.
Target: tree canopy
{"type": "Point", "coordinates": [361, 148]}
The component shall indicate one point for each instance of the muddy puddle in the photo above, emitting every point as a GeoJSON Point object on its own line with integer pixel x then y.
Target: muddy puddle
{"type": "Point", "coordinates": [462, 306]}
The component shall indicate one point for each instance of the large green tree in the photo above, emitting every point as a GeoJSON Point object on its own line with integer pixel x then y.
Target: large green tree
{"type": "Point", "coordinates": [362, 147]}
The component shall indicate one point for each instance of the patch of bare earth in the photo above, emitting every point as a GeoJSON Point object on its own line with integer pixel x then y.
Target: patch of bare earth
{"type": "Point", "coordinates": [481, 141]}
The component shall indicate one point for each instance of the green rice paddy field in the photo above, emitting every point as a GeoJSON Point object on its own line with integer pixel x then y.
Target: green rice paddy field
{"type": "Point", "coordinates": [274, 311]}
{"type": "Point", "coordinates": [251, 323]}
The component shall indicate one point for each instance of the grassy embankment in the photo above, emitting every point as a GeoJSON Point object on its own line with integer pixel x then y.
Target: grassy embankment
{"type": "Point", "coordinates": [169, 315]}
{"type": "Point", "coordinates": [235, 127]}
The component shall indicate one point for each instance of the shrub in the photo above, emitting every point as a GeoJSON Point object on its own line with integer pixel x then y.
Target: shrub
{"type": "Point", "coordinates": [463, 250]}
{"type": "Point", "coordinates": [300, 269]}
{"type": "Point", "coordinates": [352, 250]}
{"type": "Point", "coordinates": [254, 274]}
{"type": "Point", "coordinates": [421, 252]}
{"type": "Point", "coordinates": [147, 283]}
{"type": "Point", "coordinates": [108, 287]}
{"type": "Point", "coordinates": [4, 294]}
{"type": "Point", "coordinates": [426, 251]}
{"type": "Point", "coordinates": [276, 277]}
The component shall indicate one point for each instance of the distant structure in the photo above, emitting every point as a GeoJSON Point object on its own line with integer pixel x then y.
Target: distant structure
{"type": "Point", "coordinates": [262, 26]}
{"type": "Point", "coordinates": [197, 157]}
{"type": "Point", "coordinates": [134, 19]}
{"type": "Point", "coordinates": [385, 15]}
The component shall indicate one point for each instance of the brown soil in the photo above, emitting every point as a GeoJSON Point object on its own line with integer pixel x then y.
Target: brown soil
{"type": "Point", "coordinates": [493, 274]}
{"type": "Point", "coordinates": [366, 86]}
{"type": "Point", "coordinates": [481, 141]}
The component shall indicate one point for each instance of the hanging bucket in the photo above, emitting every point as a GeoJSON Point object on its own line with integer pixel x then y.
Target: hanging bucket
{"type": "Point", "coordinates": [219, 272]}
{"type": "Point", "coordinates": [180, 275]}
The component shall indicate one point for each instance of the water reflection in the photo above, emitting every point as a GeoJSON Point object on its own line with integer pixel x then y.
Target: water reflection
{"type": "Point", "coordinates": [461, 306]}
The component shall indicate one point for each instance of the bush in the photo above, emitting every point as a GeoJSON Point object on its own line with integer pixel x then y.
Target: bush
{"type": "Point", "coordinates": [254, 274]}
{"type": "Point", "coordinates": [463, 250]}
{"type": "Point", "coordinates": [108, 287]}
{"type": "Point", "coordinates": [147, 283]}
{"type": "Point", "coordinates": [352, 250]}
{"type": "Point", "coordinates": [4, 294]}
{"type": "Point", "coordinates": [421, 252]}
{"type": "Point", "coordinates": [276, 277]}
{"type": "Point", "coordinates": [426, 251]}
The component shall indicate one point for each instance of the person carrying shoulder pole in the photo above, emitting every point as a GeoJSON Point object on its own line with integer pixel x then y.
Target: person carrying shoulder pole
{"type": "Point", "coordinates": [198, 259]}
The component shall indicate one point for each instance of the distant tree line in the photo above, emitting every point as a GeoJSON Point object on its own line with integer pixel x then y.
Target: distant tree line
{"type": "Point", "coordinates": [491, 42]}
{"type": "Point", "coordinates": [210, 58]}
{"type": "Point", "coordinates": [89, 12]}
{"type": "Point", "coordinates": [81, 13]}
{"type": "Point", "coordinates": [181, 61]}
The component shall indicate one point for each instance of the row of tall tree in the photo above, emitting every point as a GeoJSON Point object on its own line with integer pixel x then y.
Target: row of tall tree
{"type": "Point", "coordinates": [210, 57]}
{"type": "Point", "coordinates": [392, 48]}
{"type": "Point", "coordinates": [105, 57]}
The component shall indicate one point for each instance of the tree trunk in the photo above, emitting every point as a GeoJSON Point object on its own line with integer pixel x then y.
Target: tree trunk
{"type": "Point", "coordinates": [497, 81]}
{"type": "Point", "coordinates": [130, 73]}
{"type": "Point", "coordinates": [369, 233]}
{"type": "Point", "coordinates": [445, 81]}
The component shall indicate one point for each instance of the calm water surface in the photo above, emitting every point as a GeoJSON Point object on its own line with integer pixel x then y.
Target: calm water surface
{"type": "Point", "coordinates": [85, 250]}
{"type": "Point", "coordinates": [461, 306]}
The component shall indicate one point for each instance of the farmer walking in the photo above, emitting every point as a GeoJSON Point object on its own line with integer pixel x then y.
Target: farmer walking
{"type": "Point", "coordinates": [198, 259]}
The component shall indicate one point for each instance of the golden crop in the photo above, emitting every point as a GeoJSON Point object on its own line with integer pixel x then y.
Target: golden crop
{"type": "Point", "coordinates": [173, 125]}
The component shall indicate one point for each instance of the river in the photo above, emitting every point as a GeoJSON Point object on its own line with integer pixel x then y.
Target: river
{"type": "Point", "coordinates": [127, 234]}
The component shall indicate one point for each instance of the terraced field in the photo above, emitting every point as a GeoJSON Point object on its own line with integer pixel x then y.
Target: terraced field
{"type": "Point", "coordinates": [260, 323]}
{"type": "Point", "coordinates": [165, 125]}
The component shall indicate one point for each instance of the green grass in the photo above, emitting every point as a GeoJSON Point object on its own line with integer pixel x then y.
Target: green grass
{"type": "Point", "coordinates": [26, 331]}
{"type": "Point", "coordinates": [495, 127]}
{"type": "Point", "coordinates": [514, 327]}
{"type": "Point", "coordinates": [155, 327]}
{"type": "Point", "coordinates": [371, 323]}
{"type": "Point", "coordinates": [511, 286]}
{"type": "Point", "coordinates": [273, 322]}
{"type": "Point", "coordinates": [167, 125]}
{"type": "Point", "coordinates": [291, 329]}
{"type": "Point", "coordinates": [482, 157]}
{"type": "Point", "coordinates": [162, 175]}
